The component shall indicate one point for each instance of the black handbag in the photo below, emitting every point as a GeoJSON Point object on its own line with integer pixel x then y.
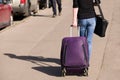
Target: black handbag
{"type": "Point", "coordinates": [101, 24]}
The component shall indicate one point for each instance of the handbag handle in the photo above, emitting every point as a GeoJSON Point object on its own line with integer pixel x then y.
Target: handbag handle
{"type": "Point", "coordinates": [100, 10]}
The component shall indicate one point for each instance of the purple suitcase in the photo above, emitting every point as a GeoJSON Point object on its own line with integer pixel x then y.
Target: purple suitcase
{"type": "Point", "coordinates": [74, 56]}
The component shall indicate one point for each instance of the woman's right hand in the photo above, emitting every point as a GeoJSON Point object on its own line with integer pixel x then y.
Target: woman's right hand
{"type": "Point", "coordinates": [74, 24]}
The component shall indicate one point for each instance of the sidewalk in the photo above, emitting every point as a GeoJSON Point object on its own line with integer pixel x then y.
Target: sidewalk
{"type": "Point", "coordinates": [110, 68]}
{"type": "Point", "coordinates": [31, 50]}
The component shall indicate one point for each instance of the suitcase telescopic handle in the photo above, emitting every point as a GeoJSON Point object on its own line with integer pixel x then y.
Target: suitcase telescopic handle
{"type": "Point", "coordinates": [71, 30]}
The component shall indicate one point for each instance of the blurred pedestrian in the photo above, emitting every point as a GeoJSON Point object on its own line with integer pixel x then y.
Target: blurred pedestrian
{"type": "Point", "coordinates": [49, 4]}
{"type": "Point", "coordinates": [42, 4]}
{"type": "Point", "coordinates": [84, 16]}
{"type": "Point", "coordinates": [53, 4]}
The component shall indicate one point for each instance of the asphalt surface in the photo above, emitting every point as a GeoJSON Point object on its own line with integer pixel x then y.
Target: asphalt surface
{"type": "Point", "coordinates": [30, 50]}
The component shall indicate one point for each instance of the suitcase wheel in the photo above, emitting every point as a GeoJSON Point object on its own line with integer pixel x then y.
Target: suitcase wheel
{"type": "Point", "coordinates": [85, 72]}
{"type": "Point", "coordinates": [63, 72]}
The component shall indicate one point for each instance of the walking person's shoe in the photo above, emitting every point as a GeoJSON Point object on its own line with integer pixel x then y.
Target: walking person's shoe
{"type": "Point", "coordinates": [60, 14]}
{"type": "Point", "coordinates": [54, 16]}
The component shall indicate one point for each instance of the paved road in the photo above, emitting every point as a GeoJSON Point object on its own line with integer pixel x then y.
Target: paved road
{"type": "Point", "coordinates": [30, 50]}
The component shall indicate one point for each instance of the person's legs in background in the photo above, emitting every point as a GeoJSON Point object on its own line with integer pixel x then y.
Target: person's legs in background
{"type": "Point", "coordinates": [49, 4]}
{"type": "Point", "coordinates": [53, 3]}
{"type": "Point", "coordinates": [59, 6]}
{"type": "Point", "coordinates": [45, 3]}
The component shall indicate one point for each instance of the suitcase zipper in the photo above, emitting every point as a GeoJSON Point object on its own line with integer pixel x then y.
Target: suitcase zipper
{"type": "Point", "coordinates": [64, 54]}
{"type": "Point", "coordinates": [85, 56]}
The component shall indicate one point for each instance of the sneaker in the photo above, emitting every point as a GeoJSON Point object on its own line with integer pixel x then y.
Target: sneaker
{"type": "Point", "coordinates": [54, 16]}
{"type": "Point", "coordinates": [59, 14]}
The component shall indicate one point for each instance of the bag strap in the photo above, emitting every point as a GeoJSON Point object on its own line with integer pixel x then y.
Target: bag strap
{"type": "Point", "coordinates": [100, 10]}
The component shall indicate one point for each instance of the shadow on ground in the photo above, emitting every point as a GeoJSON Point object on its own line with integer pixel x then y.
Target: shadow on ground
{"type": "Point", "coordinates": [50, 70]}
{"type": "Point", "coordinates": [36, 15]}
{"type": "Point", "coordinates": [18, 18]}
{"type": "Point", "coordinates": [41, 61]}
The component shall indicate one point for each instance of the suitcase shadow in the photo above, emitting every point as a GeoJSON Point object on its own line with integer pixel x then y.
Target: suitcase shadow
{"type": "Point", "coordinates": [52, 71]}
{"type": "Point", "coordinates": [41, 62]}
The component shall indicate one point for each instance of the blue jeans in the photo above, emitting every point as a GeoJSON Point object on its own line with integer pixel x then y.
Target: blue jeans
{"type": "Point", "coordinates": [87, 27]}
